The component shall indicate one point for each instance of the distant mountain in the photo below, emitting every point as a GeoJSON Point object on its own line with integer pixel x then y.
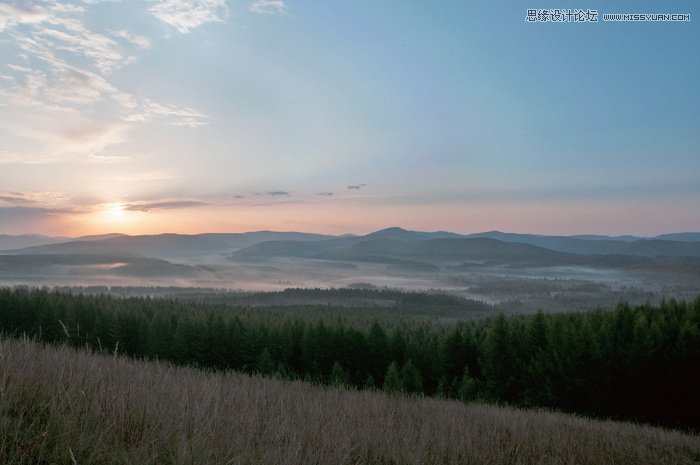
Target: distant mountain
{"type": "Point", "coordinates": [294, 248]}
{"type": "Point", "coordinates": [8, 242]}
{"type": "Point", "coordinates": [482, 249]}
{"type": "Point", "coordinates": [598, 237]}
{"type": "Point", "coordinates": [604, 245]}
{"type": "Point", "coordinates": [166, 246]}
{"type": "Point", "coordinates": [403, 250]}
{"type": "Point", "coordinates": [97, 237]}
{"type": "Point", "coordinates": [26, 240]}
{"type": "Point", "coordinates": [376, 251]}
{"type": "Point", "coordinates": [662, 248]}
{"type": "Point", "coordinates": [76, 265]}
{"type": "Point", "coordinates": [406, 235]}
{"type": "Point", "coordinates": [577, 245]}
{"type": "Point", "coordinates": [682, 237]}
{"type": "Point", "coordinates": [180, 255]}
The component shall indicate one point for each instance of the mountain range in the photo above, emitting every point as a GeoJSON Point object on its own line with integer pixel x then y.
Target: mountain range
{"type": "Point", "coordinates": [187, 255]}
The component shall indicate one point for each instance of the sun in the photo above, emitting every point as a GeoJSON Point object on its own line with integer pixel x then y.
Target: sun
{"type": "Point", "coordinates": [114, 214]}
{"type": "Point", "coordinates": [115, 211]}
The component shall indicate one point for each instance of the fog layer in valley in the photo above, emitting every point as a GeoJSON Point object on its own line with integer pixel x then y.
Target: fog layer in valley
{"type": "Point", "coordinates": [519, 272]}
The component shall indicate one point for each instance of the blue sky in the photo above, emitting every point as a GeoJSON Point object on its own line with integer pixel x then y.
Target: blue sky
{"type": "Point", "coordinates": [213, 115]}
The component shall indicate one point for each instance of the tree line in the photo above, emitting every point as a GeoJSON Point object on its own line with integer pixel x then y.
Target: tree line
{"type": "Point", "coordinates": [637, 363]}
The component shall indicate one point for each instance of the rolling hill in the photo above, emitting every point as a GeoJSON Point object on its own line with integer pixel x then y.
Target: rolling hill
{"type": "Point", "coordinates": [397, 248]}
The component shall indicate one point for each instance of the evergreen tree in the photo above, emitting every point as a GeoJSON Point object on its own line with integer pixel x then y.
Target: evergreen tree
{"type": "Point", "coordinates": [411, 379]}
{"type": "Point", "coordinates": [369, 383]}
{"type": "Point", "coordinates": [377, 352]}
{"type": "Point", "coordinates": [265, 365]}
{"type": "Point", "coordinates": [339, 377]}
{"type": "Point", "coordinates": [397, 346]}
{"type": "Point", "coordinates": [498, 361]}
{"type": "Point", "coordinates": [442, 390]}
{"type": "Point", "coordinates": [160, 337]}
{"type": "Point", "coordinates": [392, 380]}
{"type": "Point", "coordinates": [452, 354]}
{"type": "Point", "coordinates": [467, 390]}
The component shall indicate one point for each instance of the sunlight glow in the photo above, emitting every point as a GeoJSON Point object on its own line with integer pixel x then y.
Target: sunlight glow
{"type": "Point", "coordinates": [114, 215]}
{"type": "Point", "coordinates": [116, 210]}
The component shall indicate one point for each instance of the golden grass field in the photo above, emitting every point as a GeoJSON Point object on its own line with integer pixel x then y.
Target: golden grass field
{"type": "Point", "coordinates": [61, 406]}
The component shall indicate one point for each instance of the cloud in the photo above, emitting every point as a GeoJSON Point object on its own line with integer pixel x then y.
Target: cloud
{"type": "Point", "coordinates": [277, 193]}
{"type": "Point", "coordinates": [356, 187]}
{"type": "Point", "coordinates": [64, 65]}
{"type": "Point", "coordinates": [13, 213]}
{"type": "Point", "coordinates": [11, 15]}
{"type": "Point", "coordinates": [15, 198]}
{"type": "Point", "coordinates": [109, 158]}
{"type": "Point", "coordinates": [147, 176]}
{"type": "Point", "coordinates": [185, 15]}
{"type": "Point", "coordinates": [268, 7]}
{"type": "Point", "coordinates": [163, 204]}
{"type": "Point", "coordinates": [63, 87]}
{"type": "Point", "coordinates": [43, 199]}
{"type": "Point", "coordinates": [180, 116]}
{"type": "Point", "coordinates": [53, 136]}
{"type": "Point", "coordinates": [21, 219]}
{"type": "Point", "coordinates": [69, 35]}
{"type": "Point", "coordinates": [91, 138]}
{"type": "Point", "coordinates": [325, 194]}
{"type": "Point", "coordinates": [136, 40]}
{"type": "Point", "coordinates": [9, 158]}
{"type": "Point", "coordinates": [55, 30]}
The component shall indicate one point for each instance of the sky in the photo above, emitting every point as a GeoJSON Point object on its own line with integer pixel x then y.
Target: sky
{"type": "Point", "coordinates": [191, 116]}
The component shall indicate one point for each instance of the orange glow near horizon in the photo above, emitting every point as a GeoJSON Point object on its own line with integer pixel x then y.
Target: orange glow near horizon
{"type": "Point", "coordinates": [550, 218]}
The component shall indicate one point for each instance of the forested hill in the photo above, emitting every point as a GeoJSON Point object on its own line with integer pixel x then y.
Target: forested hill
{"type": "Point", "coordinates": [639, 363]}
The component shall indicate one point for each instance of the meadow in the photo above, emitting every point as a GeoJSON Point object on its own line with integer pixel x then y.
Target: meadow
{"type": "Point", "coordinates": [65, 405]}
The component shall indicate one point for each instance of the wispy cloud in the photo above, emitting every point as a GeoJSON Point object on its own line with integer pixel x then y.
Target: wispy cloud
{"type": "Point", "coordinates": [356, 187]}
{"type": "Point", "coordinates": [185, 15]}
{"type": "Point", "coordinates": [163, 204]}
{"type": "Point", "coordinates": [180, 116]}
{"type": "Point", "coordinates": [11, 158]}
{"type": "Point", "coordinates": [38, 199]}
{"type": "Point", "coordinates": [137, 40]}
{"type": "Point", "coordinates": [13, 198]}
{"type": "Point", "coordinates": [109, 158]}
{"type": "Point", "coordinates": [12, 15]}
{"type": "Point", "coordinates": [65, 87]}
{"type": "Point", "coordinates": [58, 137]}
{"type": "Point", "coordinates": [268, 7]}
{"type": "Point", "coordinates": [92, 2]}
{"type": "Point", "coordinates": [271, 194]}
{"type": "Point", "coordinates": [20, 219]}
{"type": "Point", "coordinates": [92, 138]}
{"type": "Point", "coordinates": [53, 30]}
{"type": "Point", "coordinates": [325, 194]}
{"type": "Point", "coordinates": [146, 176]}
{"type": "Point", "coordinates": [19, 212]}
{"type": "Point", "coordinates": [64, 66]}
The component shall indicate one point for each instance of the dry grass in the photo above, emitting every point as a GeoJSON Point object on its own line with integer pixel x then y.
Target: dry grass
{"type": "Point", "coordinates": [62, 406]}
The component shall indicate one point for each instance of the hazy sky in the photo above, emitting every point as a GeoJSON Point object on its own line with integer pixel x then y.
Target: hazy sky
{"type": "Point", "coordinates": [346, 116]}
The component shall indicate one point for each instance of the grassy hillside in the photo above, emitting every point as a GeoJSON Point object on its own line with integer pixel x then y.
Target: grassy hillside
{"type": "Point", "coordinates": [628, 363]}
{"type": "Point", "coordinates": [58, 405]}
